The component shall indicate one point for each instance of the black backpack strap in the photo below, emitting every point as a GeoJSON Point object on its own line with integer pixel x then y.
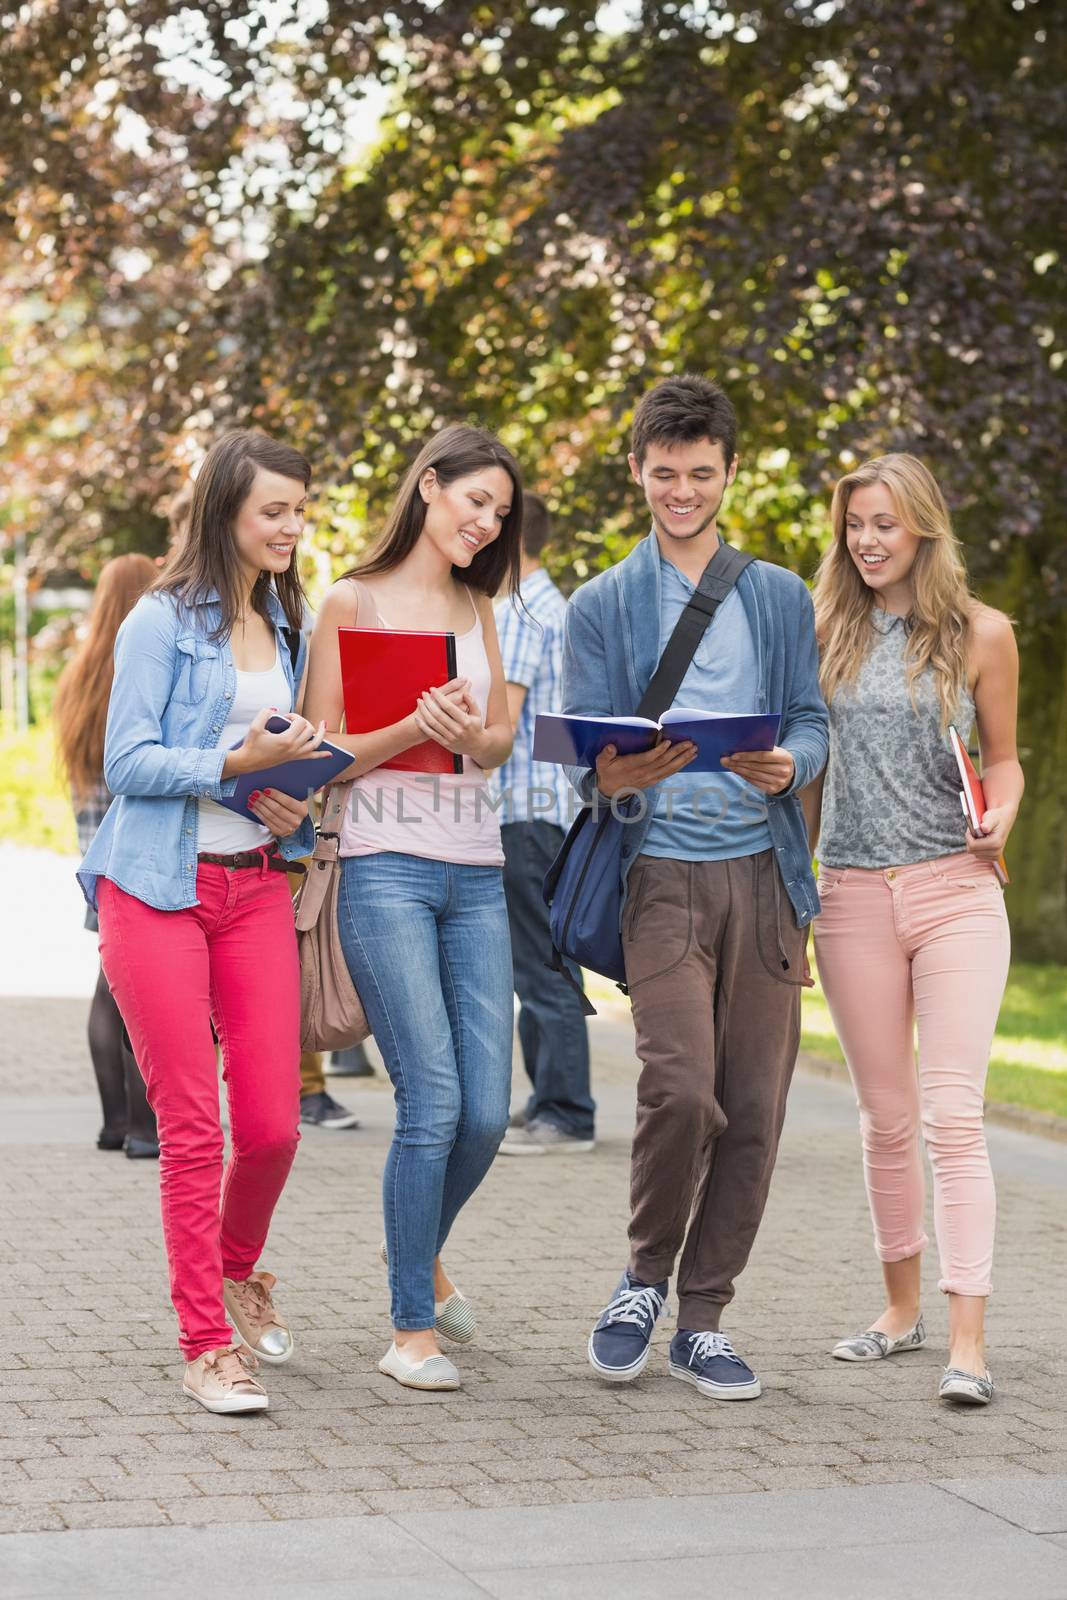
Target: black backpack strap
{"type": "Point", "coordinates": [292, 639]}
{"type": "Point", "coordinates": [716, 582]}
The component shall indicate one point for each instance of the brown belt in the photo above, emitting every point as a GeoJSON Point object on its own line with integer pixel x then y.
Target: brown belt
{"type": "Point", "coordinates": [252, 858]}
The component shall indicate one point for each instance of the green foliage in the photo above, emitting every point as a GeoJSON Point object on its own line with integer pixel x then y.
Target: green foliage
{"type": "Point", "coordinates": [35, 806]}
{"type": "Point", "coordinates": [847, 213]}
{"type": "Point", "coordinates": [1029, 1058]}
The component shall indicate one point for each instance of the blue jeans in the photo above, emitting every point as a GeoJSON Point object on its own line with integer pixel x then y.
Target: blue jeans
{"type": "Point", "coordinates": [552, 1031]}
{"type": "Point", "coordinates": [427, 946]}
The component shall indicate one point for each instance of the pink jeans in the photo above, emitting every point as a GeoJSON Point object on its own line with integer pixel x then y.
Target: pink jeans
{"type": "Point", "coordinates": [232, 960]}
{"type": "Point", "coordinates": [924, 945]}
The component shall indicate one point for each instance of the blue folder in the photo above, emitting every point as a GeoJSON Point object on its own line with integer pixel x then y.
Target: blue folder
{"type": "Point", "coordinates": [577, 741]}
{"type": "Point", "coordinates": [298, 779]}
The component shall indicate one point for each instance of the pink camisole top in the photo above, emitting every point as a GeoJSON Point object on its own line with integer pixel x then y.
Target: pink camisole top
{"type": "Point", "coordinates": [439, 816]}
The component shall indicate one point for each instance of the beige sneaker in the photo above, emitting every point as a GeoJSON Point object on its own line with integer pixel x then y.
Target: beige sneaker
{"type": "Point", "coordinates": [222, 1382]}
{"type": "Point", "coordinates": [254, 1315]}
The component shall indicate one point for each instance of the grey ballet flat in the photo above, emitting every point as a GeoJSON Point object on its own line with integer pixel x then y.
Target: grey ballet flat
{"type": "Point", "coordinates": [875, 1346]}
{"type": "Point", "coordinates": [965, 1388]}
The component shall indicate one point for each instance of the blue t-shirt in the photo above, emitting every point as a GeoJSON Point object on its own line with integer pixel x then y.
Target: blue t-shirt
{"type": "Point", "coordinates": [709, 816]}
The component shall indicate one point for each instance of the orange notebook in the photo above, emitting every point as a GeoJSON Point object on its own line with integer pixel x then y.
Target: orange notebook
{"type": "Point", "coordinates": [972, 796]}
{"type": "Point", "coordinates": [383, 673]}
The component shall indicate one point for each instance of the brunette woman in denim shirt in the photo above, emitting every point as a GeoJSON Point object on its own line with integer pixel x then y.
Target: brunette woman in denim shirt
{"type": "Point", "coordinates": [196, 925]}
{"type": "Point", "coordinates": [422, 913]}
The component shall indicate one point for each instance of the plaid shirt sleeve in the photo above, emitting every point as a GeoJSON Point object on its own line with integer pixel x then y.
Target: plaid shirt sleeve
{"type": "Point", "coordinates": [522, 643]}
{"type": "Point", "coordinates": [89, 812]}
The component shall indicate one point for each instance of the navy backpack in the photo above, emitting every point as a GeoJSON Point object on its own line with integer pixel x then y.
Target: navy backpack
{"type": "Point", "coordinates": [583, 888]}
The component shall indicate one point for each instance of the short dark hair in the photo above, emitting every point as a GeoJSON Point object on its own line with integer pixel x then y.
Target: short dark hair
{"type": "Point", "coordinates": [536, 525]}
{"type": "Point", "coordinates": [681, 411]}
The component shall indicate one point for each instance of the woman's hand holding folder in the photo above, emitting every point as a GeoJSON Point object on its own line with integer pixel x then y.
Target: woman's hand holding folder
{"type": "Point", "coordinates": [261, 748]}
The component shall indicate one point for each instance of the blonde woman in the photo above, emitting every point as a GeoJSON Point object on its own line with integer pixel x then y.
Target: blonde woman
{"type": "Point", "coordinates": [913, 933]}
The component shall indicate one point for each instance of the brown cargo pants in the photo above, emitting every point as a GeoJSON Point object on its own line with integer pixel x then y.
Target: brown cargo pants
{"type": "Point", "coordinates": [713, 965]}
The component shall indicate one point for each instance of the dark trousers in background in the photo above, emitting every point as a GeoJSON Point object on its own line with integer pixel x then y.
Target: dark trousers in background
{"type": "Point", "coordinates": [552, 1030]}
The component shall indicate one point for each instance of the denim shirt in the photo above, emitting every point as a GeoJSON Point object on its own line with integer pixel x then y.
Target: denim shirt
{"type": "Point", "coordinates": [172, 688]}
{"type": "Point", "coordinates": [611, 650]}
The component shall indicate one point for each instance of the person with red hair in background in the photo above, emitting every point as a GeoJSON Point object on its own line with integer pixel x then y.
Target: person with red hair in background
{"type": "Point", "coordinates": [80, 713]}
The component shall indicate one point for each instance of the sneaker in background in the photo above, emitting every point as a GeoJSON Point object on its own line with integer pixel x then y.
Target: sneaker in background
{"type": "Point", "coordinates": [323, 1111]}
{"type": "Point", "coordinates": [543, 1138]}
{"type": "Point", "coordinates": [351, 1063]}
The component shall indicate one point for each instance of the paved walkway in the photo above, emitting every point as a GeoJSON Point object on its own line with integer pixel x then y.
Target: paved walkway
{"type": "Point", "coordinates": [534, 1478]}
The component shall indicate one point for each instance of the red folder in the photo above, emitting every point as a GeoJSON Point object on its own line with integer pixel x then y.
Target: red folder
{"type": "Point", "coordinates": [383, 673]}
{"type": "Point", "coordinates": [972, 796]}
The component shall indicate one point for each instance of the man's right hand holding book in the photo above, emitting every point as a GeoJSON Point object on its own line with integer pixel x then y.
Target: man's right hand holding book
{"type": "Point", "coordinates": [617, 774]}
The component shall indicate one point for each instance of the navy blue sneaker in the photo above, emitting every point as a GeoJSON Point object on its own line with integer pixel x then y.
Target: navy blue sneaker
{"type": "Point", "coordinates": [711, 1364]}
{"type": "Point", "coordinates": [619, 1344]}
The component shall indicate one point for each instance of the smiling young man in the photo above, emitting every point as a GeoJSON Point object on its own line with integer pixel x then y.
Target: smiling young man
{"type": "Point", "coordinates": [719, 888]}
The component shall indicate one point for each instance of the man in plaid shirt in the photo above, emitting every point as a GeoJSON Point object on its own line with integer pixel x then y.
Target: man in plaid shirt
{"type": "Point", "coordinates": [538, 806]}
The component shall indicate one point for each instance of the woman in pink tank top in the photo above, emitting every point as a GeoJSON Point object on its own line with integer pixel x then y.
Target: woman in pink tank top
{"type": "Point", "coordinates": [422, 915]}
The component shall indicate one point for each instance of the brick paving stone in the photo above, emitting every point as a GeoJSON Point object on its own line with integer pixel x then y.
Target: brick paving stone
{"type": "Point", "coordinates": [145, 1486]}
{"type": "Point", "coordinates": [200, 1510]}
{"type": "Point", "coordinates": [94, 1430]}
{"type": "Point", "coordinates": [336, 1503]}
{"type": "Point", "coordinates": [31, 1519]}
{"type": "Point", "coordinates": [353, 1480]}
{"type": "Point", "coordinates": [397, 1500]}
{"type": "Point", "coordinates": [491, 1495]}
{"type": "Point", "coordinates": [797, 1477]}
{"type": "Point", "coordinates": [115, 1514]}
{"type": "Point", "coordinates": [729, 1481]}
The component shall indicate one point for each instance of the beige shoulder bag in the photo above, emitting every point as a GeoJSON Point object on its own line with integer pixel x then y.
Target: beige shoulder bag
{"type": "Point", "coordinates": [331, 1013]}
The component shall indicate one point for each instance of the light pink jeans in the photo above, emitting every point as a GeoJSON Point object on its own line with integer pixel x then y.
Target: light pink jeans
{"type": "Point", "coordinates": [927, 947]}
{"type": "Point", "coordinates": [230, 960]}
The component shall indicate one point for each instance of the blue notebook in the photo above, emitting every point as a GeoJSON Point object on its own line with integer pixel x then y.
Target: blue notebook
{"type": "Point", "coordinates": [295, 778]}
{"type": "Point", "coordinates": [577, 741]}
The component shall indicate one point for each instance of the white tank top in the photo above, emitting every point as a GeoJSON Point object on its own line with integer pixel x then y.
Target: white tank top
{"type": "Point", "coordinates": [438, 816]}
{"type": "Point", "coordinates": [220, 831]}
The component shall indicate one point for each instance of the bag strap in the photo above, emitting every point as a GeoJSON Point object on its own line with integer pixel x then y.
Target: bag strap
{"type": "Point", "coordinates": [716, 581]}
{"type": "Point", "coordinates": [334, 801]}
{"type": "Point", "coordinates": [292, 643]}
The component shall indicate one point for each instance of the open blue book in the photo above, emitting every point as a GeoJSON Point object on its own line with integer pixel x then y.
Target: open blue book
{"type": "Point", "coordinates": [577, 741]}
{"type": "Point", "coordinates": [298, 779]}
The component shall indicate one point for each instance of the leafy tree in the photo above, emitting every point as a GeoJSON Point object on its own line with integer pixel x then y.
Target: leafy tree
{"type": "Point", "coordinates": [846, 211]}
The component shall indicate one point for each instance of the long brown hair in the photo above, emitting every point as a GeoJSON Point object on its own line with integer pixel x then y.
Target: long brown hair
{"type": "Point", "coordinates": [205, 559]}
{"type": "Point", "coordinates": [942, 606]}
{"type": "Point", "coordinates": [84, 688]}
{"type": "Point", "coordinates": [456, 452]}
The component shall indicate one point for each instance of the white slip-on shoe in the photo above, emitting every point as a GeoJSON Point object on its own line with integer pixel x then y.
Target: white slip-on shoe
{"type": "Point", "coordinates": [222, 1382]}
{"type": "Point", "coordinates": [875, 1346]}
{"type": "Point", "coordinates": [965, 1388]}
{"type": "Point", "coordinates": [453, 1317]}
{"type": "Point", "coordinates": [434, 1372]}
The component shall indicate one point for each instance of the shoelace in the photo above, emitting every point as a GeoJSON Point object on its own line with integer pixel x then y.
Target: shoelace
{"type": "Point", "coordinates": [255, 1302]}
{"type": "Point", "coordinates": [639, 1306]}
{"type": "Point", "coordinates": [232, 1368]}
{"type": "Point", "coordinates": [707, 1345]}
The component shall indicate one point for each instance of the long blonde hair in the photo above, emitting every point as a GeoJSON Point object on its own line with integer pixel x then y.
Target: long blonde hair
{"type": "Point", "coordinates": [942, 605]}
{"type": "Point", "coordinates": [83, 691]}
